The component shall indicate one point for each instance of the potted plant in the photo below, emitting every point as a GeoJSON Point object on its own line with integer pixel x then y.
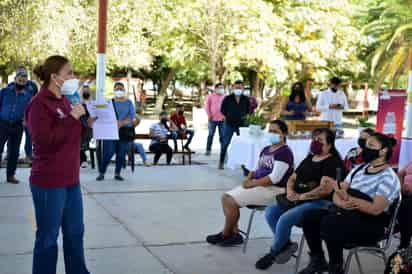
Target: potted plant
{"type": "Point", "coordinates": [363, 124]}
{"type": "Point", "coordinates": [256, 123]}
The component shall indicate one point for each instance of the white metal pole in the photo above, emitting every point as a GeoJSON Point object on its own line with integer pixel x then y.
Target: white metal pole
{"type": "Point", "coordinates": [101, 51]}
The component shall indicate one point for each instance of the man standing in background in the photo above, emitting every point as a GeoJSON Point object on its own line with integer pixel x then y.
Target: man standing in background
{"type": "Point", "coordinates": [215, 117]}
{"type": "Point", "coordinates": [13, 102]}
{"type": "Point", "coordinates": [234, 108]}
{"type": "Point", "coordinates": [332, 102]}
{"type": "Point", "coordinates": [31, 88]}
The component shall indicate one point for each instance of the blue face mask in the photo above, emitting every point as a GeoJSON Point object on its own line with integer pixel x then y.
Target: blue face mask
{"type": "Point", "coordinates": [273, 138]}
{"type": "Point", "coordinates": [237, 92]}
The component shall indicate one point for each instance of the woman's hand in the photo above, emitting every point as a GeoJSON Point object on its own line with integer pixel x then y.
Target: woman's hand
{"type": "Point", "coordinates": [77, 111]}
{"type": "Point", "coordinates": [349, 204]}
{"type": "Point", "coordinates": [292, 196]}
{"type": "Point", "coordinates": [248, 183]}
{"type": "Point", "coordinates": [343, 195]}
{"type": "Point", "coordinates": [123, 122]}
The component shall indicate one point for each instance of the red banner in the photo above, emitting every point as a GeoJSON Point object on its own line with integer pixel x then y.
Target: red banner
{"type": "Point", "coordinates": [391, 111]}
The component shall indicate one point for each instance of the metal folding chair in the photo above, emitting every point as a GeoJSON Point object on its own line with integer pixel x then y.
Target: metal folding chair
{"type": "Point", "coordinates": [254, 209]}
{"type": "Point", "coordinates": [382, 247]}
{"type": "Point", "coordinates": [298, 256]}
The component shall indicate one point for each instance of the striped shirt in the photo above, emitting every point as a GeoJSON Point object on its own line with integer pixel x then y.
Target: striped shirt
{"type": "Point", "coordinates": [384, 183]}
{"type": "Point", "coordinates": [160, 131]}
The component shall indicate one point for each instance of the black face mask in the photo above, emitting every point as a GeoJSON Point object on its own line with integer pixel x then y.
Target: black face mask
{"type": "Point", "coordinates": [180, 112]}
{"type": "Point", "coordinates": [164, 120]}
{"type": "Point", "coordinates": [334, 90]}
{"type": "Point", "coordinates": [86, 96]}
{"type": "Point", "coordinates": [369, 155]}
{"type": "Point", "coordinates": [19, 87]}
{"type": "Point", "coordinates": [362, 143]}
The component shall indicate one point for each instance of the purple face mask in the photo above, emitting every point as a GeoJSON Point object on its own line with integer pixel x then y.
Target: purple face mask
{"type": "Point", "coordinates": [316, 147]}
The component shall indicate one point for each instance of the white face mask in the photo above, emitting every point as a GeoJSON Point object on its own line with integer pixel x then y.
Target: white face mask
{"type": "Point", "coordinates": [69, 87]}
{"type": "Point", "coordinates": [119, 93]}
{"type": "Point", "coordinates": [221, 91]}
{"type": "Point", "coordinates": [237, 92]}
{"type": "Point", "coordinates": [246, 93]}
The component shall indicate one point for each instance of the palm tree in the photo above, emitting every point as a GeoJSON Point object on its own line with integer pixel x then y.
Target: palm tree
{"type": "Point", "coordinates": [390, 32]}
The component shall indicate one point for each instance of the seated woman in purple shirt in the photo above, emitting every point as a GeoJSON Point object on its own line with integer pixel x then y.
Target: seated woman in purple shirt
{"type": "Point", "coordinates": [260, 188]}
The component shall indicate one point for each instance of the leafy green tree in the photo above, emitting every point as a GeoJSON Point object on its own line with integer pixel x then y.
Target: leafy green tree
{"type": "Point", "coordinates": [389, 33]}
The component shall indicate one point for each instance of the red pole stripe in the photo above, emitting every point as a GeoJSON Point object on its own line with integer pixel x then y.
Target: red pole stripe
{"type": "Point", "coordinates": [101, 36]}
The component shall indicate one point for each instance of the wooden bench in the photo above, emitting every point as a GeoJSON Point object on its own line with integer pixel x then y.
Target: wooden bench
{"type": "Point", "coordinates": [131, 152]}
{"type": "Point", "coordinates": [181, 138]}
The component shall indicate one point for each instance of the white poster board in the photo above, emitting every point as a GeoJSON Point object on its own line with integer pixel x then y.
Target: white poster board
{"type": "Point", "coordinates": [105, 127]}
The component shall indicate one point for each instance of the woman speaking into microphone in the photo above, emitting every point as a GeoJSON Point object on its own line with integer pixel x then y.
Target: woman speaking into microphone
{"type": "Point", "coordinates": [54, 180]}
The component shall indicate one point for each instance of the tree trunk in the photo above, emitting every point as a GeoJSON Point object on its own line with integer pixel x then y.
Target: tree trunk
{"type": "Point", "coordinates": [255, 84]}
{"type": "Point", "coordinates": [202, 92]}
{"type": "Point", "coordinates": [164, 84]}
{"type": "Point", "coordinates": [4, 77]}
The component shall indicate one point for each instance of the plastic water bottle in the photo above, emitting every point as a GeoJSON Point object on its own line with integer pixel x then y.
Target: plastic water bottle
{"type": "Point", "coordinates": [389, 127]}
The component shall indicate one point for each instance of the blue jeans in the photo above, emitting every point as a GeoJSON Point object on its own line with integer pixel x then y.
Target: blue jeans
{"type": "Point", "coordinates": [12, 134]}
{"type": "Point", "coordinates": [111, 147]}
{"type": "Point", "coordinates": [55, 208]}
{"type": "Point", "coordinates": [281, 221]}
{"type": "Point", "coordinates": [176, 134]}
{"type": "Point", "coordinates": [228, 131]}
{"type": "Point", "coordinates": [28, 146]}
{"type": "Point", "coordinates": [138, 148]}
{"type": "Point", "coordinates": [212, 129]}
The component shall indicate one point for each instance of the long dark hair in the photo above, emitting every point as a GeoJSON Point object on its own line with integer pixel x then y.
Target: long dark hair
{"type": "Point", "coordinates": [298, 90]}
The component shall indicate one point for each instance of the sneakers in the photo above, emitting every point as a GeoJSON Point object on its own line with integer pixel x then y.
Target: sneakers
{"type": "Point", "coordinates": [265, 262]}
{"type": "Point", "coordinates": [317, 264]}
{"type": "Point", "coordinates": [215, 238]}
{"type": "Point", "coordinates": [219, 239]}
{"type": "Point", "coordinates": [282, 257]}
{"type": "Point", "coordinates": [12, 180]}
{"type": "Point", "coordinates": [100, 177]}
{"type": "Point", "coordinates": [221, 166]}
{"type": "Point", "coordinates": [286, 252]}
{"type": "Point", "coordinates": [232, 240]}
{"type": "Point", "coordinates": [208, 153]}
{"type": "Point", "coordinates": [117, 177]}
{"type": "Point", "coordinates": [84, 165]}
{"type": "Point", "coordinates": [147, 164]}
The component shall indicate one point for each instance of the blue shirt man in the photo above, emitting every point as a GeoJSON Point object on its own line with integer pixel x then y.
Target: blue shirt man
{"type": "Point", "coordinates": [13, 102]}
{"type": "Point", "coordinates": [29, 87]}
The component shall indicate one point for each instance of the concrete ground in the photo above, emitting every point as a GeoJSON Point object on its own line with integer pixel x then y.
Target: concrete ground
{"type": "Point", "coordinates": [155, 222]}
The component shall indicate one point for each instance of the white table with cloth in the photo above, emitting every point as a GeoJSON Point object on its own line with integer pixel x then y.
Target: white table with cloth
{"type": "Point", "coordinates": [245, 149]}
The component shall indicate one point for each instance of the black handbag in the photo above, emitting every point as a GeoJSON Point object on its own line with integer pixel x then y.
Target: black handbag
{"type": "Point", "coordinates": [354, 193]}
{"type": "Point", "coordinates": [283, 201]}
{"type": "Point", "coordinates": [126, 134]}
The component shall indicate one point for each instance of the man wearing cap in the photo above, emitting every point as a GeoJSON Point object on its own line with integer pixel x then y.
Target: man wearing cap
{"type": "Point", "coordinates": [13, 102]}
{"type": "Point", "coordinates": [32, 89]}
{"type": "Point", "coordinates": [332, 102]}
